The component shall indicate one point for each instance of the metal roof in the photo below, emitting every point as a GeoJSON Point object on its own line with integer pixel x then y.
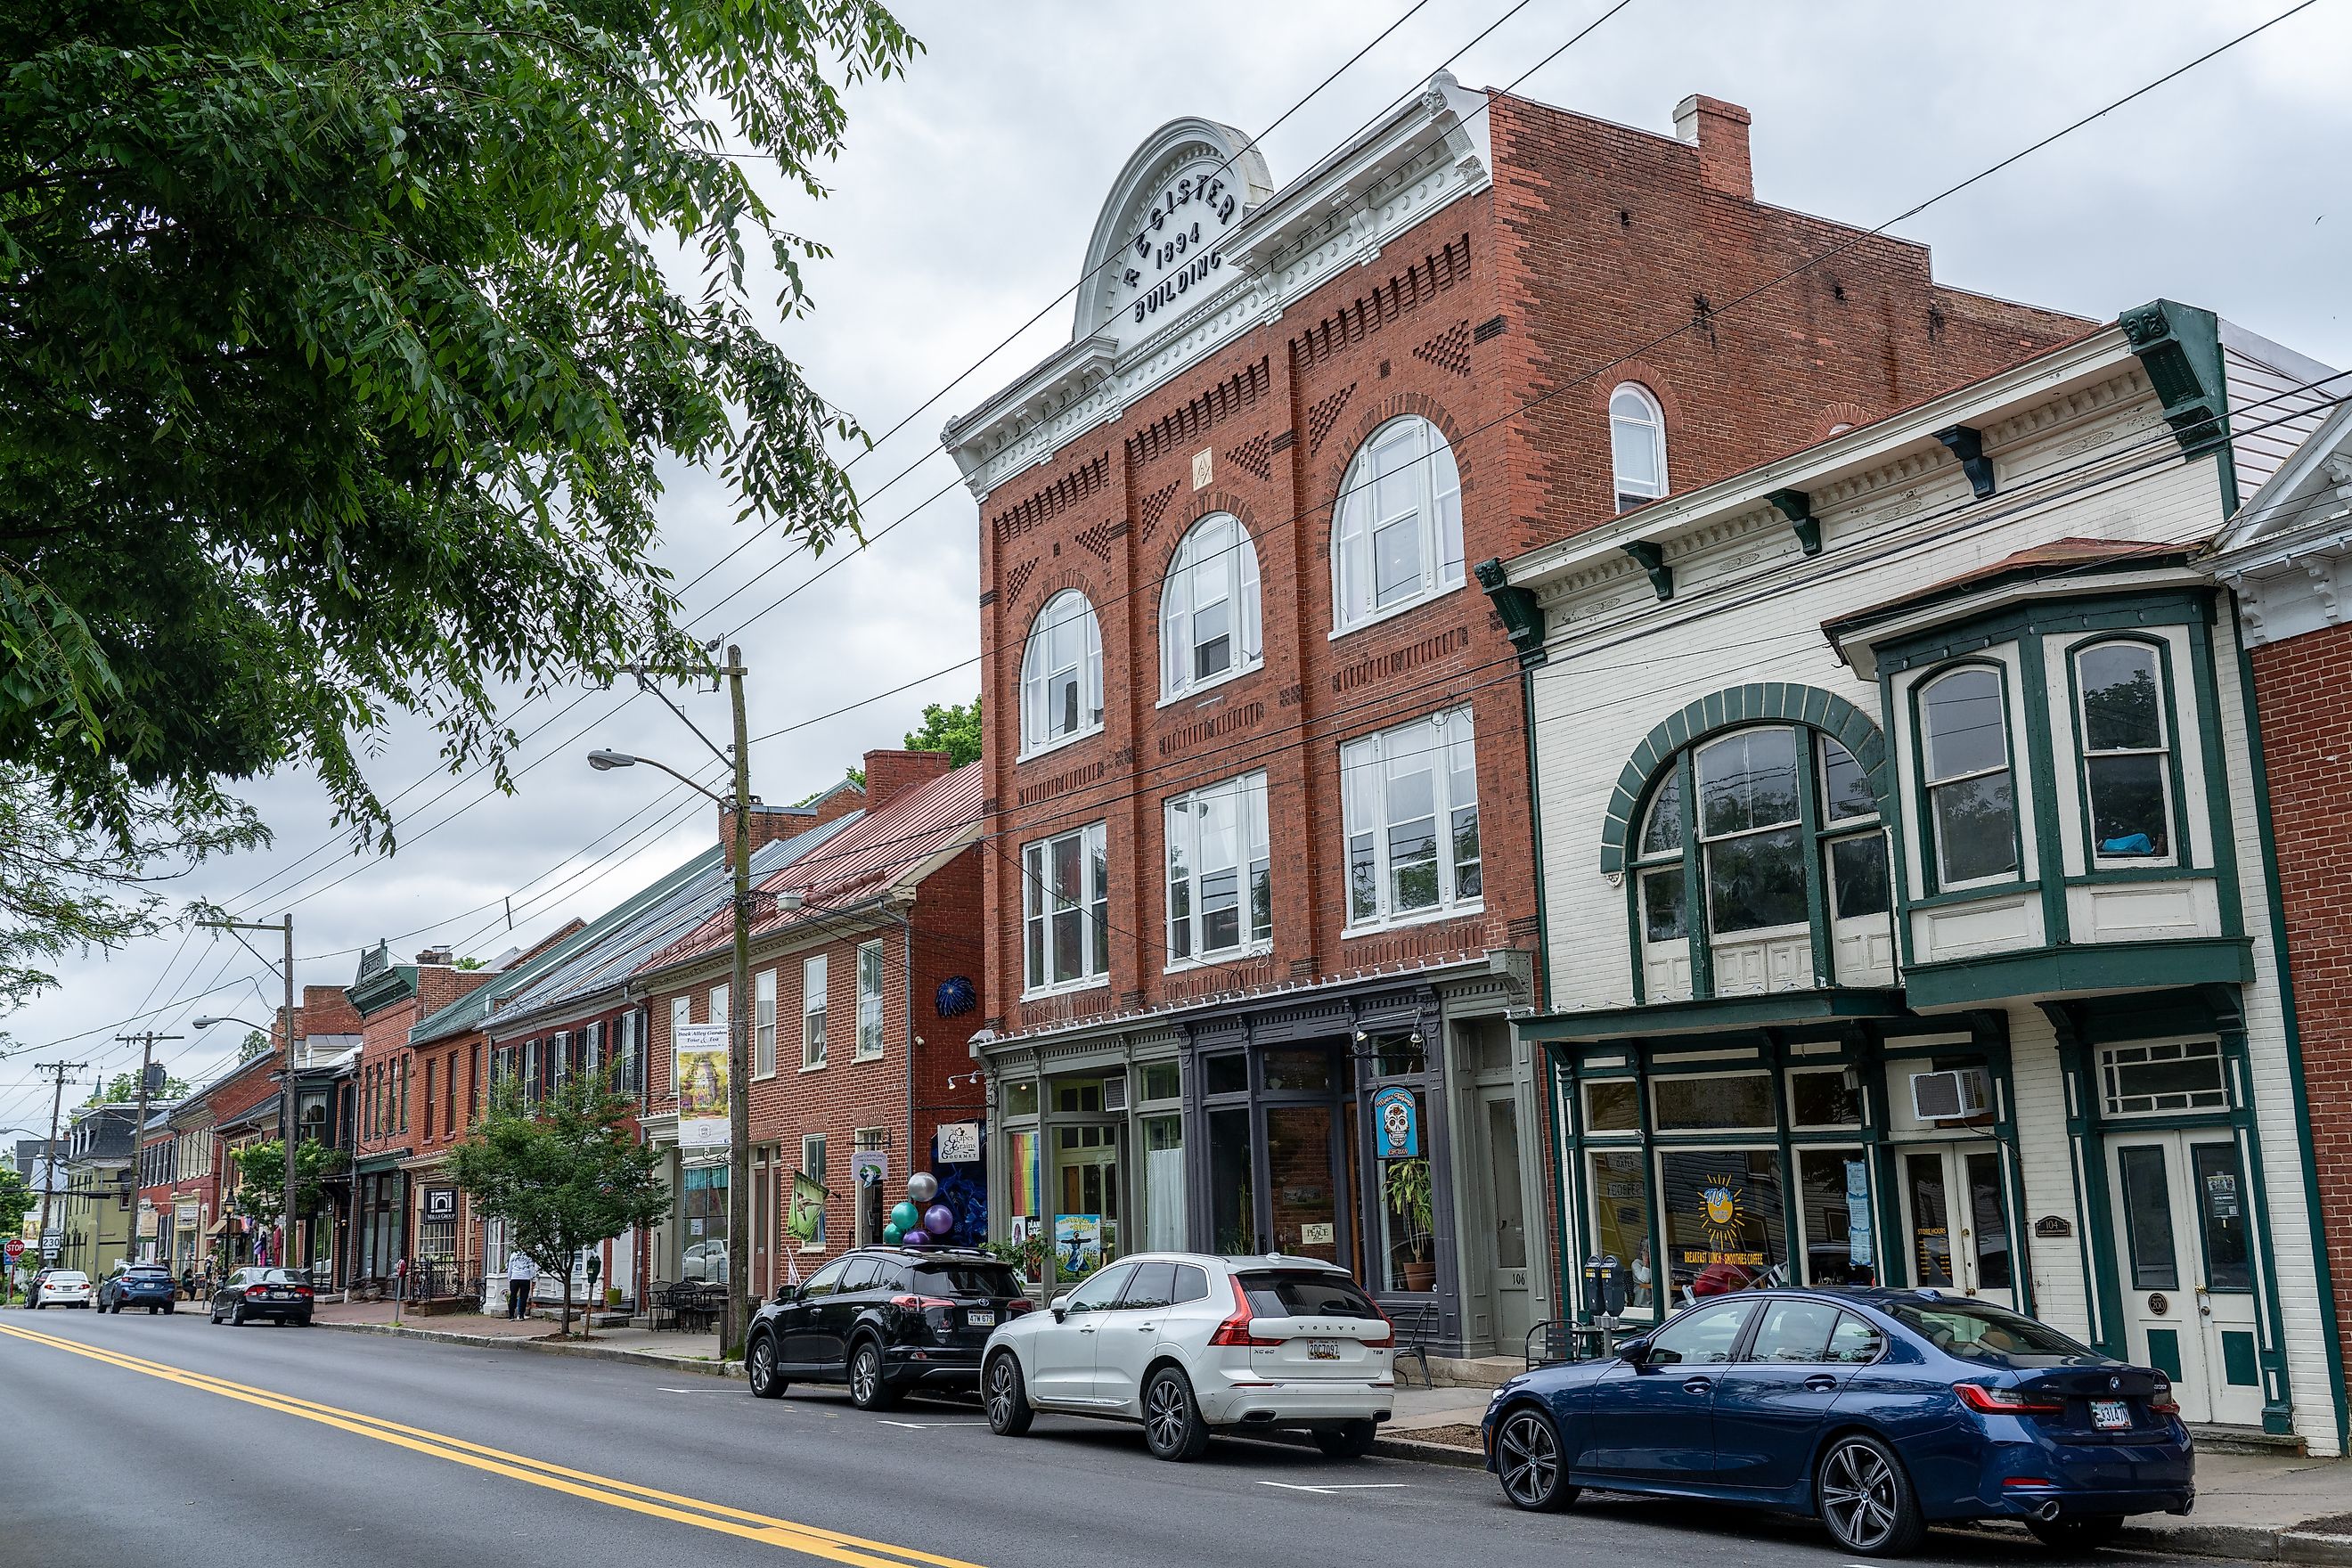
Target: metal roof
{"type": "Point", "coordinates": [895, 847]}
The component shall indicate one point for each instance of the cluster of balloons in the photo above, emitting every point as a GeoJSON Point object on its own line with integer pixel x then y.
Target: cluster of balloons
{"type": "Point", "coordinates": [919, 1221]}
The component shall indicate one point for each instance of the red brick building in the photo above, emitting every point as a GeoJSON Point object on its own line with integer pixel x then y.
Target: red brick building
{"type": "Point", "coordinates": [867, 982]}
{"type": "Point", "coordinates": [1228, 539]}
{"type": "Point", "coordinates": [2288, 558]}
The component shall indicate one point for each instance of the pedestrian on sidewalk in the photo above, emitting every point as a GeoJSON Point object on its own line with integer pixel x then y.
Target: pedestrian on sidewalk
{"type": "Point", "coordinates": [521, 1275]}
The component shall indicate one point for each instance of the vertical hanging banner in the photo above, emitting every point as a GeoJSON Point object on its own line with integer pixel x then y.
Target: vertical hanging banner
{"type": "Point", "coordinates": [700, 1074]}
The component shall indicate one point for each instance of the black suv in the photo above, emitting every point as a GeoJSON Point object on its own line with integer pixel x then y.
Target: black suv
{"type": "Point", "coordinates": [883, 1319]}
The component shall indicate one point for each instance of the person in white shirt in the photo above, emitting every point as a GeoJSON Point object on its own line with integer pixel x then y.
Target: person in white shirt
{"type": "Point", "coordinates": [521, 1275]}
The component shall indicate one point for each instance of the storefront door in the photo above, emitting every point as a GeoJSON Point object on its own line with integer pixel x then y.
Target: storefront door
{"type": "Point", "coordinates": [1085, 1193]}
{"type": "Point", "coordinates": [1954, 1221]}
{"type": "Point", "coordinates": [1507, 1218]}
{"type": "Point", "coordinates": [2183, 1250]}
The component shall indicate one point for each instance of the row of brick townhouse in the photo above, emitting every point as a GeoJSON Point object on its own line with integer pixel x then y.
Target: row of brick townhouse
{"type": "Point", "coordinates": [1259, 890]}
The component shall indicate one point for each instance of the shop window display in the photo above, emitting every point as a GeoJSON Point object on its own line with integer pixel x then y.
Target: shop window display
{"type": "Point", "coordinates": [1713, 1103]}
{"type": "Point", "coordinates": [1725, 1229]}
{"type": "Point", "coordinates": [1232, 1216]}
{"type": "Point", "coordinates": [1621, 1226]}
{"type": "Point", "coordinates": [1408, 1218]}
{"type": "Point", "coordinates": [1834, 1200]}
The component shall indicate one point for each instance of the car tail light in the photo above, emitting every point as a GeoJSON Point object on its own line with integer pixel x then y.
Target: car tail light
{"type": "Point", "coordinates": [1018, 1305]}
{"type": "Point", "coordinates": [919, 1303]}
{"type": "Point", "coordinates": [1989, 1401]}
{"type": "Point", "coordinates": [1387, 1341]}
{"type": "Point", "coordinates": [2161, 1401]}
{"type": "Point", "coordinates": [1236, 1330]}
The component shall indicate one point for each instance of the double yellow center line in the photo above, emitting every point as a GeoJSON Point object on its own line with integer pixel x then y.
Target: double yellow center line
{"type": "Point", "coordinates": [806, 1538]}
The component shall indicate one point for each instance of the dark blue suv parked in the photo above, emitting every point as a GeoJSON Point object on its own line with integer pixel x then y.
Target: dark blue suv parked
{"type": "Point", "coordinates": [1879, 1411]}
{"type": "Point", "coordinates": [140, 1285]}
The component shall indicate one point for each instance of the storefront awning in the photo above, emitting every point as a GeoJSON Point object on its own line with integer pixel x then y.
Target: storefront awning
{"type": "Point", "coordinates": [1780, 1009]}
{"type": "Point", "coordinates": [220, 1225]}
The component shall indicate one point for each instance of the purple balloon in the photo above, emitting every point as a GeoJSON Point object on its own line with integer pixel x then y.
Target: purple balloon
{"type": "Point", "coordinates": [938, 1219]}
{"type": "Point", "coordinates": [916, 1238]}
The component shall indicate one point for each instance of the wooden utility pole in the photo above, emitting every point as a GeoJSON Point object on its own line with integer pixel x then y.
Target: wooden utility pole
{"type": "Point", "coordinates": [738, 1324]}
{"type": "Point", "coordinates": [286, 1121]}
{"type": "Point", "coordinates": [139, 1122]}
{"type": "Point", "coordinates": [49, 1174]}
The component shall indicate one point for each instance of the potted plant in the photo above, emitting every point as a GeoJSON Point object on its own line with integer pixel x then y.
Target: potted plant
{"type": "Point", "coordinates": [1407, 1189]}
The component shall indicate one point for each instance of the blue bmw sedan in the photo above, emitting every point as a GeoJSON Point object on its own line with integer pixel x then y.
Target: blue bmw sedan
{"type": "Point", "coordinates": [1880, 1411]}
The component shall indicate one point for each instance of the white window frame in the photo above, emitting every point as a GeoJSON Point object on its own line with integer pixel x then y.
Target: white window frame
{"type": "Point", "coordinates": [1930, 781]}
{"type": "Point", "coordinates": [812, 1143]}
{"type": "Point", "coordinates": [869, 1000]}
{"type": "Point", "coordinates": [1431, 501]}
{"type": "Point", "coordinates": [1364, 784]}
{"type": "Point", "coordinates": [1092, 908]}
{"type": "Point", "coordinates": [1645, 422]}
{"type": "Point", "coordinates": [1251, 866]}
{"type": "Point", "coordinates": [2161, 751]}
{"type": "Point", "coordinates": [764, 1024]}
{"type": "Point", "coordinates": [1202, 574]}
{"type": "Point", "coordinates": [2119, 1106]}
{"type": "Point", "coordinates": [1038, 732]}
{"type": "Point", "coordinates": [681, 1014]}
{"type": "Point", "coordinates": [813, 984]}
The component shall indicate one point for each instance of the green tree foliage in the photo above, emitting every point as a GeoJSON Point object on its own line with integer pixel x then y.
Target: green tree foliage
{"type": "Point", "coordinates": [563, 1171]}
{"type": "Point", "coordinates": [955, 731]}
{"type": "Point", "coordinates": [261, 1179]}
{"type": "Point", "coordinates": [254, 1043]}
{"type": "Point", "coordinates": [340, 347]}
{"type": "Point", "coordinates": [17, 1199]}
{"type": "Point", "coordinates": [122, 1089]}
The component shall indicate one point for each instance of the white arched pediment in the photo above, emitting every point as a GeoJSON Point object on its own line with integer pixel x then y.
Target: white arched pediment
{"type": "Point", "coordinates": [1155, 246]}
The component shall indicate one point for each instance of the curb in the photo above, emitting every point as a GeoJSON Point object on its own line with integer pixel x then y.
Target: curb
{"type": "Point", "coordinates": [511, 1342]}
{"type": "Point", "coordinates": [2253, 1543]}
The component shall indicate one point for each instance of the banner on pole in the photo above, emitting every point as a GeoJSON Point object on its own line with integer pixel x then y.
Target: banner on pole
{"type": "Point", "coordinates": [700, 1077]}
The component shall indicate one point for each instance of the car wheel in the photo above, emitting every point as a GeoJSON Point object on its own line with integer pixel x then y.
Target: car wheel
{"type": "Point", "coordinates": [2082, 1532]}
{"type": "Point", "coordinates": [1352, 1441]}
{"type": "Point", "coordinates": [1866, 1500]}
{"type": "Point", "coordinates": [167, 1309]}
{"type": "Point", "coordinates": [759, 1367]}
{"type": "Point", "coordinates": [303, 1321]}
{"type": "Point", "coordinates": [1171, 1417]}
{"type": "Point", "coordinates": [868, 1390]}
{"type": "Point", "coordinates": [237, 1315]}
{"type": "Point", "coordinates": [1009, 1412]}
{"type": "Point", "coordinates": [1527, 1462]}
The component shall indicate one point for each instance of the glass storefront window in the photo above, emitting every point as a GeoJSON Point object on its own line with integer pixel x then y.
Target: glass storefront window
{"type": "Point", "coordinates": [1297, 1069]}
{"type": "Point", "coordinates": [1408, 1216]}
{"type": "Point", "coordinates": [1833, 1204]}
{"type": "Point", "coordinates": [1402, 1056]}
{"type": "Point", "coordinates": [705, 1255]}
{"type": "Point", "coordinates": [1233, 1212]}
{"type": "Point", "coordinates": [1718, 1102]}
{"type": "Point", "coordinates": [1021, 1153]}
{"type": "Point", "coordinates": [1020, 1098]}
{"type": "Point", "coordinates": [1078, 1099]}
{"type": "Point", "coordinates": [1300, 1177]}
{"type": "Point", "coordinates": [1226, 1074]}
{"type": "Point", "coordinates": [1621, 1227]}
{"type": "Point", "coordinates": [1725, 1229]}
{"type": "Point", "coordinates": [1931, 1219]}
{"type": "Point", "coordinates": [1824, 1097]}
{"type": "Point", "coordinates": [1613, 1105]}
{"type": "Point", "coordinates": [1160, 1081]}
{"type": "Point", "coordinates": [1163, 1182]}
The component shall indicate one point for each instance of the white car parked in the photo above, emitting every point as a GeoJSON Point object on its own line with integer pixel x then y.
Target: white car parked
{"type": "Point", "coordinates": [1189, 1345]}
{"type": "Point", "coordinates": [64, 1288]}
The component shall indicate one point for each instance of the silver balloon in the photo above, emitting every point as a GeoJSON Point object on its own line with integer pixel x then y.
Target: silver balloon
{"type": "Point", "coordinates": [922, 1187]}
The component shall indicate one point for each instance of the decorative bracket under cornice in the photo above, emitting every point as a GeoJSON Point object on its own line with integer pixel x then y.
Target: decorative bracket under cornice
{"type": "Point", "coordinates": [1966, 442]}
{"type": "Point", "coordinates": [1798, 508]}
{"type": "Point", "coordinates": [2180, 346]}
{"type": "Point", "coordinates": [1522, 617]}
{"type": "Point", "coordinates": [1652, 557]}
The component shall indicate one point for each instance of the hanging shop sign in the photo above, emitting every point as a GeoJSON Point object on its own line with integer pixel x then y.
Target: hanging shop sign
{"type": "Point", "coordinates": [959, 1142]}
{"type": "Point", "coordinates": [700, 1075]}
{"type": "Point", "coordinates": [870, 1167]}
{"type": "Point", "coordinates": [1396, 1120]}
{"type": "Point", "coordinates": [440, 1202]}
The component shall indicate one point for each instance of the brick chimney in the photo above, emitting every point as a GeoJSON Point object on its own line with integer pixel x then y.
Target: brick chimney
{"type": "Point", "coordinates": [769, 824]}
{"type": "Point", "coordinates": [890, 774]}
{"type": "Point", "coordinates": [1719, 131]}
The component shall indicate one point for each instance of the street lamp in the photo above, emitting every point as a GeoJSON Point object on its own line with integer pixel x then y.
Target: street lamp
{"type": "Point", "coordinates": [738, 1318]}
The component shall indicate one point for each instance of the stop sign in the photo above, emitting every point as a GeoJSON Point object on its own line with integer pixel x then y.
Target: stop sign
{"type": "Point", "coordinates": [15, 1249]}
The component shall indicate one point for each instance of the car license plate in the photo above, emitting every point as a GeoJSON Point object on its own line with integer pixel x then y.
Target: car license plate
{"type": "Point", "coordinates": [2110, 1414]}
{"type": "Point", "coordinates": [1322, 1350]}
{"type": "Point", "coordinates": [979, 1320]}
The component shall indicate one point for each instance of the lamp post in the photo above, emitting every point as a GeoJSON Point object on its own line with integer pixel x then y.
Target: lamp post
{"type": "Point", "coordinates": [737, 1320]}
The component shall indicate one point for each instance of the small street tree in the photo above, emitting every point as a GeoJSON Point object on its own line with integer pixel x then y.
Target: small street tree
{"type": "Point", "coordinates": [260, 1197]}
{"type": "Point", "coordinates": [17, 1199]}
{"type": "Point", "coordinates": [563, 1172]}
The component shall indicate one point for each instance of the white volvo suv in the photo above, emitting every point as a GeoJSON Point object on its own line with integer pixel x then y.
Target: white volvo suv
{"type": "Point", "coordinates": [1188, 1344]}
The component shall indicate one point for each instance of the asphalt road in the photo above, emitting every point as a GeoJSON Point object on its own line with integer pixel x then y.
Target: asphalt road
{"type": "Point", "coordinates": [196, 1446]}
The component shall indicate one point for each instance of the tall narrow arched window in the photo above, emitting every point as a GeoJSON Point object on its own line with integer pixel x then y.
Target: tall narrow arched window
{"type": "Point", "coordinates": [1209, 606]}
{"type": "Point", "coordinates": [1061, 674]}
{"type": "Point", "coordinates": [1637, 445]}
{"type": "Point", "coordinates": [2126, 750]}
{"type": "Point", "coordinates": [1397, 535]}
{"type": "Point", "coordinates": [1964, 734]}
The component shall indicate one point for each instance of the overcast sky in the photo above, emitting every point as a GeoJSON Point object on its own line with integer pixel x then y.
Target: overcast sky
{"type": "Point", "coordinates": [963, 208]}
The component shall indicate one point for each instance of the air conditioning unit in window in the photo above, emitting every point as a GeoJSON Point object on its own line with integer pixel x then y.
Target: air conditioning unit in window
{"type": "Point", "coordinates": [1115, 1092]}
{"type": "Point", "coordinates": [1953, 1096]}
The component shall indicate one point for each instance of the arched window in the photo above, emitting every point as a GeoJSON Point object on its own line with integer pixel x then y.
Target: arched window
{"type": "Point", "coordinates": [1061, 674]}
{"type": "Point", "coordinates": [1398, 537]}
{"type": "Point", "coordinates": [1745, 838]}
{"type": "Point", "coordinates": [1209, 606]}
{"type": "Point", "coordinates": [1637, 445]}
{"type": "Point", "coordinates": [2126, 751]}
{"type": "Point", "coordinates": [1964, 729]}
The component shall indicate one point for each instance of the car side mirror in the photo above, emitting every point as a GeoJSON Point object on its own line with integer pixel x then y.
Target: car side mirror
{"type": "Point", "coordinates": [1634, 1352]}
{"type": "Point", "coordinates": [1061, 1313]}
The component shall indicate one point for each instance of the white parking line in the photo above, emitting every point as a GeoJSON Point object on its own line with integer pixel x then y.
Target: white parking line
{"type": "Point", "coordinates": [927, 1426]}
{"type": "Point", "coordinates": [1338, 1487]}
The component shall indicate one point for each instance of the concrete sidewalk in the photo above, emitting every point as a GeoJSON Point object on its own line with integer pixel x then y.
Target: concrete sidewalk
{"type": "Point", "coordinates": [684, 1352]}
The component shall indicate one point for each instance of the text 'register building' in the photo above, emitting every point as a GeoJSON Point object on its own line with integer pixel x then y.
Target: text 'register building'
{"type": "Point", "coordinates": [1259, 899]}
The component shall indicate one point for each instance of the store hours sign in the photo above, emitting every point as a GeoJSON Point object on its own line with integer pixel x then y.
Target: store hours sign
{"type": "Point", "coordinates": [1173, 250]}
